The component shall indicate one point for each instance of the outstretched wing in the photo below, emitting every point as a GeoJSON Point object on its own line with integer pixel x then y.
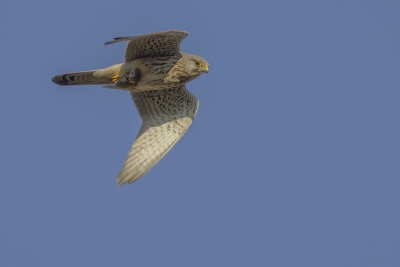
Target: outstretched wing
{"type": "Point", "coordinates": [156, 44]}
{"type": "Point", "coordinates": [166, 115]}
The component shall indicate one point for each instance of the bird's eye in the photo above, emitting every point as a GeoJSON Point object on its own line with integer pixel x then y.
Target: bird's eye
{"type": "Point", "coordinates": [198, 63]}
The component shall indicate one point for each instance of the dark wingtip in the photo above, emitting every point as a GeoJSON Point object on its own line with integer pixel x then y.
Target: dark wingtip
{"type": "Point", "coordinates": [113, 41]}
{"type": "Point", "coordinates": [116, 39]}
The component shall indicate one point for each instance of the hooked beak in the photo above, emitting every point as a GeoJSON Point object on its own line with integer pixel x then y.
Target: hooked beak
{"type": "Point", "coordinates": [205, 69]}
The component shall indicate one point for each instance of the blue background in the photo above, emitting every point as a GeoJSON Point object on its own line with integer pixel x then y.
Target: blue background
{"type": "Point", "coordinates": [292, 160]}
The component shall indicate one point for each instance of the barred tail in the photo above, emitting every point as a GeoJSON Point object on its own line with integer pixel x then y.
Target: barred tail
{"type": "Point", "coordinates": [83, 77]}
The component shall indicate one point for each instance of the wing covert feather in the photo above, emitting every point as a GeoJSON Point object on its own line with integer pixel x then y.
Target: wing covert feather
{"type": "Point", "coordinates": [156, 44]}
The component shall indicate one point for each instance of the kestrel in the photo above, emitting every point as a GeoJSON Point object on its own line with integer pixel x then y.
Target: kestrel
{"type": "Point", "coordinates": [155, 72]}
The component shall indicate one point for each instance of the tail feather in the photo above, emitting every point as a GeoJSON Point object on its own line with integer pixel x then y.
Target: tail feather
{"type": "Point", "coordinates": [83, 77]}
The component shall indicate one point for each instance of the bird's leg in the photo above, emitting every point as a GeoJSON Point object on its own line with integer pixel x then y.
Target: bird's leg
{"type": "Point", "coordinates": [127, 81]}
{"type": "Point", "coordinates": [136, 77]}
{"type": "Point", "coordinates": [131, 81]}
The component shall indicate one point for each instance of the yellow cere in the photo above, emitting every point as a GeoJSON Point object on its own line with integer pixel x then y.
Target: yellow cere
{"type": "Point", "coordinates": [205, 68]}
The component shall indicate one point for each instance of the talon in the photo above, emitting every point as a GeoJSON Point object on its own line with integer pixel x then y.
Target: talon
{"type": "Point", "coordinates": [115, 78]}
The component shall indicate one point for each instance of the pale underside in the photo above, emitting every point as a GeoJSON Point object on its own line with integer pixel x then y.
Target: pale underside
{"type": "Point", "coordinates": [166, 112]}
{"type": "Point", "coordinates": [155, 72]}
{"type": "Point", "coordinates": [166, 116]}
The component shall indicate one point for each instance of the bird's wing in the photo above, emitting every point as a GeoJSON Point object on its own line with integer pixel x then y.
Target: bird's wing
{"type": "Point", "coordinates": [166, 115]}
{"type": "Point", "coordinates": [156, 44]}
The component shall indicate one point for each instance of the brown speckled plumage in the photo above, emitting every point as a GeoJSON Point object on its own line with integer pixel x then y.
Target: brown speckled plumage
{"type": "Point", "coordinates": [155, 71]}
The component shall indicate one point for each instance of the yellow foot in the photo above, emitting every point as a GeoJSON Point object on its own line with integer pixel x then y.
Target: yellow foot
{"type": "Point", "coordinates": [115, 78]}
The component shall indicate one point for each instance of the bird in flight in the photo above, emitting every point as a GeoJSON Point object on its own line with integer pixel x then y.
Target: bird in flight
{"type": "Point", "coordinates": [155, 72]}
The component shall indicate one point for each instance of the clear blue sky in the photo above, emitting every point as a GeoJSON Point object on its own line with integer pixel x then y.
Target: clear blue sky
{"type": "Point", "coordinates": [293, 158]}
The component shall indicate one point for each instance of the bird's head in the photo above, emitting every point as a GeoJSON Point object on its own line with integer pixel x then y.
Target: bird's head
{"type": "Point", "coordinates": [200, 64]}
{"type": "Point", "coordinates": [197, 65]}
